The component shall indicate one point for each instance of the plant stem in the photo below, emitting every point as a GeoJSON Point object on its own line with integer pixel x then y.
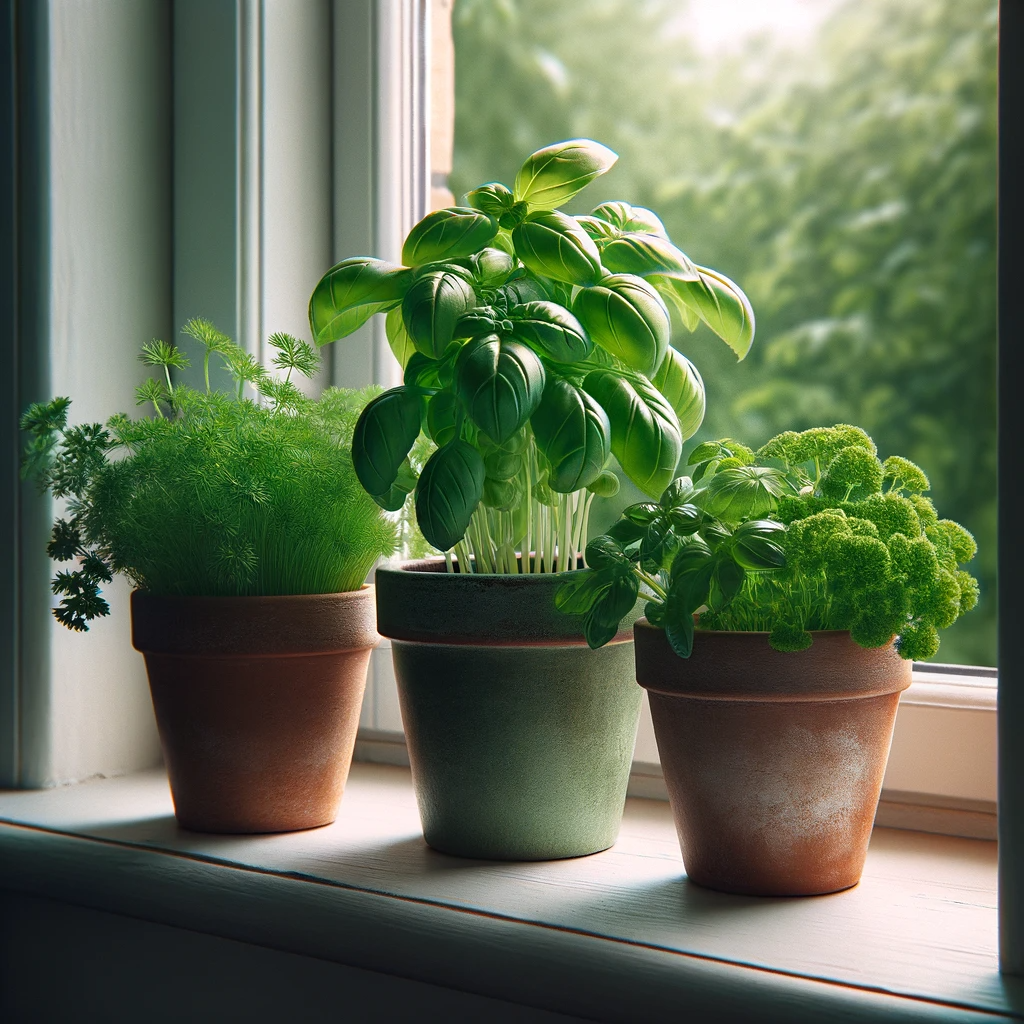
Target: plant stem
{"type": "Point", "coordinates": [651, 582]}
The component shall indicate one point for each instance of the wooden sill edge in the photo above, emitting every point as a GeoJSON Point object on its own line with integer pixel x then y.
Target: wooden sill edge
{"type": "Point", "coordinates": [301, 914]}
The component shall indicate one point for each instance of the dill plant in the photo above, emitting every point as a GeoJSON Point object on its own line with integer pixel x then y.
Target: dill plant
{"type": "Point", "coordinates": [213, 494]}
{"type": "Point", "coordinates": [810, 532]}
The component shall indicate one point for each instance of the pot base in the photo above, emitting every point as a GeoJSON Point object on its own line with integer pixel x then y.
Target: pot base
{"type": "Point", "coordinates": [518, 753]}
{"type": "Point", "coordinates": [773, 761]}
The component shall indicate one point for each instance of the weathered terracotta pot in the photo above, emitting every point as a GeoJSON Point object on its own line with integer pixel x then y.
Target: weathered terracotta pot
{"type": "Point", "coordinates": [257, 702]}
{"type": "Point", "coordinates": [773, 761]}
{"type": "Point", "coordinates": [520, 736]}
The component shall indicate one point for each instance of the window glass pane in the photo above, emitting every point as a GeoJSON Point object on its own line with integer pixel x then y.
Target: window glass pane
{"type": "Point", "coordinates": [834, 157]}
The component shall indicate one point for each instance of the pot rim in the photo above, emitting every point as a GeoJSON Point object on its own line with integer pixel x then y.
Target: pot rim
{"type": "Point", "coordinates": [256, 625]}
{"type": "Point", "coordinates": [740, 666]}
{"type": "Point", "coordinates": [419, 601]}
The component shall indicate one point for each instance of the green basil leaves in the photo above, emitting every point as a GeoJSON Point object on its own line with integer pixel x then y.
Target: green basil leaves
{"type": "Point", "coordinates": [553, 175]}
{"type": "Point", "coordinates": [645, 432]}
{"type": "Point", "coordinates": [447, 235]}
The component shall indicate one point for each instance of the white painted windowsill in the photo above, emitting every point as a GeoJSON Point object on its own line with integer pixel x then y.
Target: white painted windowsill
{"type": "Point", "coordinates": [620, 936]}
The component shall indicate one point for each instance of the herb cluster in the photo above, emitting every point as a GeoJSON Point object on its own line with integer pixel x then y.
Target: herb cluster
{"type": "Point", "coordinates": [214, 494]}
{"type": "Point", "coordinates": [811, 532]}
{"type": "Point", "coordinates": [535, 347]}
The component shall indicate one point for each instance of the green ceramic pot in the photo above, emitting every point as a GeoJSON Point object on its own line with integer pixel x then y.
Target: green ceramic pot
{"type": "Point", "coordinates": [520, 736]}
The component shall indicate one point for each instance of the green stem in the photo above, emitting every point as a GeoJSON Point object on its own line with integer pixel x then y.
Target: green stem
{"type": "Point", "coordinates": [206, 369]}
{"type": "Point", "coordinates": [651, 582]}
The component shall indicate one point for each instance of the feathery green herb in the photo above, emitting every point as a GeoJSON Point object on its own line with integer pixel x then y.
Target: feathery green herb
{"type": "Point", "coordinates": [214, 494]}
{"type": "Point", "coordinates": [811, 532]}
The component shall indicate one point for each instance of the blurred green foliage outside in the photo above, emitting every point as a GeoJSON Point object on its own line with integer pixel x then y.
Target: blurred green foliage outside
{"type": "Point", "coordinates": [848, 186]}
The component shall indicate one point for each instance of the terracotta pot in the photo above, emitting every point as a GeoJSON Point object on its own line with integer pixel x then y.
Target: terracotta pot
{"type": "Point", "coordinates": [520, 736]}
{"type": "Point", "coordinates": [773, 761]}
{"type": "Point", "coordinates": [257, 702]}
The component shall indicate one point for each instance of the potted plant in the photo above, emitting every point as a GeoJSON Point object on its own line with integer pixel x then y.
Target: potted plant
{"type": "Point", "coordinates": [788, 590]}
{"type": "Point", "coordinates": [535, 348]}
{"type": "Point", "coordinates": [246, 534]}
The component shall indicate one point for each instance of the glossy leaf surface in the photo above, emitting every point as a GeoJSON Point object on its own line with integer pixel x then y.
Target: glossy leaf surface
{"type": "Point", "coordinates": [431, 308]}
{"type": "Point", "coordinates": [500, 383]}
{"type": "Point", "coordinates": [552, 330]}
{"type": "Point", "coordinates": [643, 254]}
{"type": "Point", "coordinates": [678, 380]}
{"type": "Point", "coordinates": [645, 432]}
{"type": "Point", "coordinates": [448, 234]}
{"type": "Point", "coordinates": [351, 292]}
{"type": "Point", "coordinates": [442, 417]}
{"type": "Point", "coordinates": [554, 174]}
{"type": "Point", "coordinates": [626, 317]}
{"type": "Point", "coordinates": [574, 434]}
{"type": "Point", "coordinates": [626, 218]}
{"type": "Point", "coordinates": [384, 434]}
{"type": "Point", "coordinates": [398, 337]}
{"type": "Point", "coordinates": [742, 492]}
{"type": "Point", "coordinates": [491, 267]}
{"type": "Point", "coordinates": [449, 489]}
{"type": "Point", "coordinates": [494, 198]}
{"type": "Point", "coordinates": [719, 302]}
{"type": "Point", "coordinates": [555, 246]}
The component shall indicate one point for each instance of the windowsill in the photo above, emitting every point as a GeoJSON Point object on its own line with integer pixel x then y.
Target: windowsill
{"type": "Point", "coordinates": [625, 932]}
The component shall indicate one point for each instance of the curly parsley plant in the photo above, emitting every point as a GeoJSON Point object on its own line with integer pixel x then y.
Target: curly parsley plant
{"type": "Point", "coordinates": [214, 494]}
{"type": "Point", "coordinates": [810, 532]}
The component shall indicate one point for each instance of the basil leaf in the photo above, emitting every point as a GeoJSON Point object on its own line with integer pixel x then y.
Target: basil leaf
{"type": "Point", "coordinates": [679, 492]}
{"type": "Point", "coordinates": [555, 246]}
{"type": "Point", "coordinates": [599, 230]}
{"type": "Point", "coordinates": [442, 417]}
{"type": "Point", "coordinates": [551, 329]}
{"type": "Point", "coordinates": [398, 337]}
{"type": "Point", "coordinates": [448, 234]}
{"type": "Point", "coordinates": [431, 308]}
{"type": "Point", "coordinates": [645, 432]}
{"type": "Point", "coordinates": [492, 198]}
{"type": "Point", "coordinates": [383, 436]}
{"type": "Point", "coordinates": [522, 290]}
{"type": "Point", "coordinates": [394, 498]}
{"type": "Point", "coordinates": [605, 486]}
{"type": "Point", "coordinates": [491, 267]}
{"type": "Point", "coordinates": [554, 174]}
{"type": "Point", "coordinates": [500, 382]}
{"type": "Point", "coordinates": [719, 302]}
{"type": "Point", "coordinates": [658, 546]}
{"type": "Point", "coordinates": [449, 490]}
{"type": "Point", "coordinates": [351, 292]}
{"type": "Point", "coordinates": [476, 323]}
{"type": "Point", "coordinates": [502, 465]}
{"type": "Point", "coordinates": [643, 254]}
{"type": "Point", "coordinates": [625, 218]}
{"type": "Point", "coordinates": [678, 380]}
{"type": "Point", "coordinates": [605, 552]}
{"type": "Point", "coordinates": [727, 582]}
{"type": "Point", "coordinates": [687, 592]}
{"type": "Point", "coordinates": [421, 372]}
{"type": "Point", "coordinates": [577, 595]}
{"type": "Point", "coordinates": [642, 513]}
{"type": "Point", "coordinates": [626, 317]}
{"type": "Point", "coordinates": [742, 492]}
{"type": "Point", "coordinates": [758, 545]}
{"type": "Point", "coordinates": [573, 433]}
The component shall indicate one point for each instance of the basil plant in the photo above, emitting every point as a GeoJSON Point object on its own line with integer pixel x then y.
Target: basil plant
{"type": "Point", "coordinates": [535, 347]}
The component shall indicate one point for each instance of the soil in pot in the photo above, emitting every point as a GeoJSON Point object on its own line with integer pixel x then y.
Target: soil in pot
{"type": "Point", "coordinates": [257, 702]}
{"type": "Point", "coordinates": [773, 761]}
{"type": "Point", "coordinates": [520, 736]}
